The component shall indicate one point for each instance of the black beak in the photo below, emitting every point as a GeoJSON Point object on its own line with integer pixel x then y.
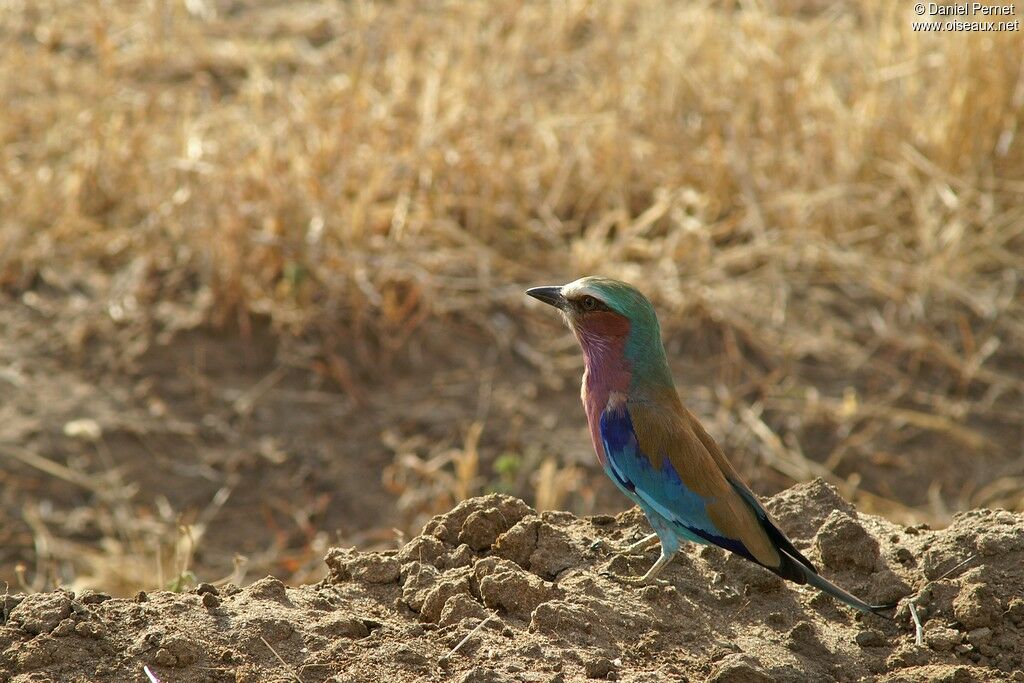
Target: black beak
{"type": "Point", "coordinates": [549, 295]}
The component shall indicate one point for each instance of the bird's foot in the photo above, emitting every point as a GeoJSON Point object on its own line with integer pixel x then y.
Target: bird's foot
{"type": "Point", "coordinates": [644, 580]}
{"type": "Point", "coordinates": [642, 545]}
{"type": "Point", "coordinates": [637, 548]}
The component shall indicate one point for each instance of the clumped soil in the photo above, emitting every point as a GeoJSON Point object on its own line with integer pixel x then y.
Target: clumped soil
{"type": "Point", "coordinates": [493, 591]}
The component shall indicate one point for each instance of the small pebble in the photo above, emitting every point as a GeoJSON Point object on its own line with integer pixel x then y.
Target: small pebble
{"type": "Point", "coordinates": [870, 639]}
{"type": "Point", "coordinates": [91, 597]}
{"type": "Point", "coordinates": [598, 667]}
{"type": "Point", "coordinates": [88, 629]}
{"type": "Point", "coordinates": [979, 636]}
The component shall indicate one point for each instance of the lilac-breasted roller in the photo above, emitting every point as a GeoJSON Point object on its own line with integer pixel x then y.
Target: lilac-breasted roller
{"type": "Point", "coordinates": [655, 450]}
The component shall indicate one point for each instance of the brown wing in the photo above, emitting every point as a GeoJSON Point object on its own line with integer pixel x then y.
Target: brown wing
{"type": "Point", "coordinates": [677, 435]}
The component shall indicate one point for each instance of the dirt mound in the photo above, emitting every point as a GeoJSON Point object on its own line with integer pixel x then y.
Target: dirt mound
{"type": "Point", "coordinates": [493, 591]}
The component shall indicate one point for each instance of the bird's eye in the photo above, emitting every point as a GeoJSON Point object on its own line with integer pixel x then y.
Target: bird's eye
{"type": "Point", "coordinates": [589, 303]}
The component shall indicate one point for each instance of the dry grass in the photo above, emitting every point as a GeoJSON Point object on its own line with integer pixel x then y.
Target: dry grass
{"type": "Point", "coordinates": [825, 206]}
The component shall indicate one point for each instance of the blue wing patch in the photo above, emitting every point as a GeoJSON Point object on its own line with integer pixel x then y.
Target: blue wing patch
{"type": "Point", "coordinates": [658, 491]}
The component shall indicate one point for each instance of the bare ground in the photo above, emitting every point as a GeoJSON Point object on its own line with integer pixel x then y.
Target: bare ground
{"type": "Point", "coordinates": [493, 591]}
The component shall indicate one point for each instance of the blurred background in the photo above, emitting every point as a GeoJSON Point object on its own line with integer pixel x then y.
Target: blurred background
{"type": "Point", "coordinates": [262, 263]}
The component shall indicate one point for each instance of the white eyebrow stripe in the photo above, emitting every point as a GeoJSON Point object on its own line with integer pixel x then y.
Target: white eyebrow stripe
{"type": "Point", "coordinates": [573, 290]}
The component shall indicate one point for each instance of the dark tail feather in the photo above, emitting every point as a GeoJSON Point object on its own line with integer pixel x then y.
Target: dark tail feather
{"type": "Point", "coordinates": [823, 584]}
{"type": "Point", "coordinates": [774, 533]}
{"type": "Point", "coordinates": [797, 568]}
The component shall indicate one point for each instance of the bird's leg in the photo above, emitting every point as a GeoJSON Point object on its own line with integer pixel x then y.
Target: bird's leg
{"type": "Point", "coordinates": [649, 577]}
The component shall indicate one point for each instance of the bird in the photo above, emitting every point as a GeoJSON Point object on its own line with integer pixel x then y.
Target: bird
{"type": "Point", "coordinates": [656, 451]}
